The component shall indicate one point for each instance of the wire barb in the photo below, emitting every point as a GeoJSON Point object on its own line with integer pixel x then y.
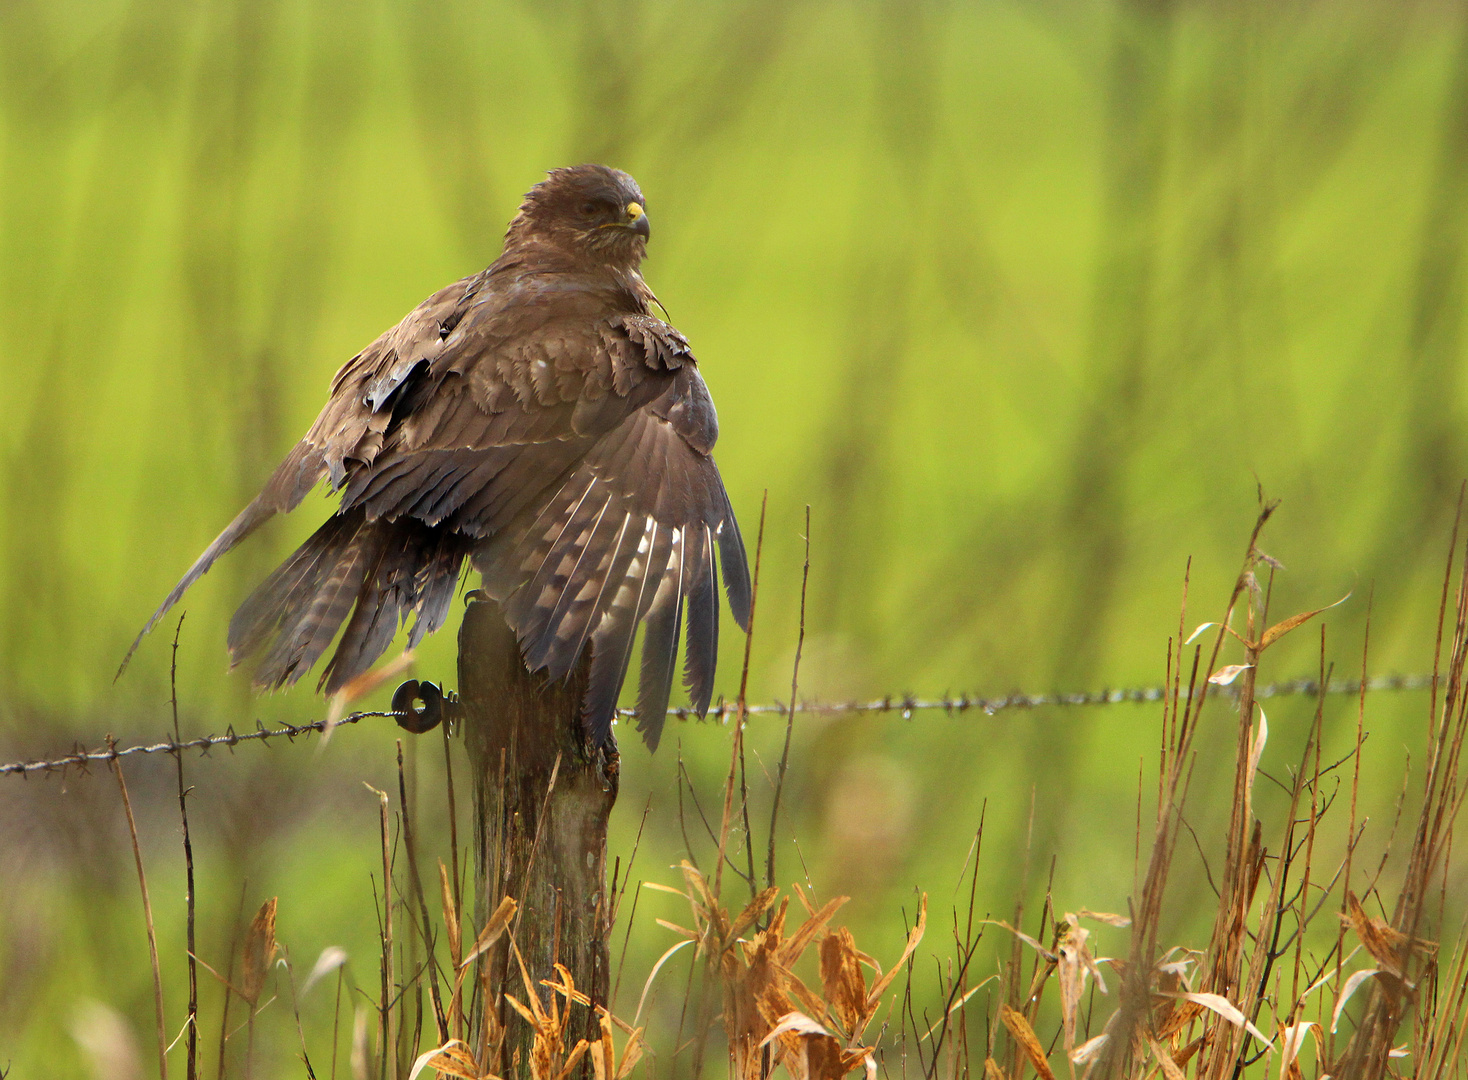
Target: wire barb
{"type": "Point", "coordinates": [904, 704]}
{"type": "Point", "coordinates": [83, 757]}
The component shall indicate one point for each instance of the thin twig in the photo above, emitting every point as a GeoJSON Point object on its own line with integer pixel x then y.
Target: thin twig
{"type": "Point", "coordinates": [438, 1013]}
{"type": "Point", "coordinates": [188, 846]}
{"type": "Point", "coordinates": [234, 942]}
{"type": "Point", "coordinates": [453, 808]}
{"type": "Point", "coordinates": [743, 703]}
{"type": "Point", "coordinates": [132, 828]}
{"type": "Point", "coordinates": [790, 715]}
{"type": "Point", "coordinates": [384, 1007]}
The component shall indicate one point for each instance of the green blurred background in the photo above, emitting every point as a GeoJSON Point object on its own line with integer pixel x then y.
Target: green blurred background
{"type": "Point", "coordinates": [1027, 301]}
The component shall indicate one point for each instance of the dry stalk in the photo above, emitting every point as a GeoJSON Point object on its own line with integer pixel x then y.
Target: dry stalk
{"type": "Point", "coordinates": [132, 828]}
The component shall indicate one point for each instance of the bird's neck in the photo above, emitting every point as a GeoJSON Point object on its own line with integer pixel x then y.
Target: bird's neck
{"type": "Point", "coordinates": [617, 279]}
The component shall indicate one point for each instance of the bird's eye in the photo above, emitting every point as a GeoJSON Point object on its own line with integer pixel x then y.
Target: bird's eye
{"type": "Point", "coordinates": [588, 208]}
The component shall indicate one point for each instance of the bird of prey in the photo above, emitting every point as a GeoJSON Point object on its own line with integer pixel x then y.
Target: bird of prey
{"type": "Point", "coordinates": [538, 420]}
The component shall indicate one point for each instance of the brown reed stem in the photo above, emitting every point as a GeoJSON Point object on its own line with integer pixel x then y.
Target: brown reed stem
{"type": "Point", "coordinates": [790, 715]}
{"type": "Point", "coordinates": [737, 755]}
{"type": "Point", "coordinates": [438, 1014]}
{"type": "Point", "coordinates": [188, 846]}
{"type": "Point", "coordinates": [132, 828]}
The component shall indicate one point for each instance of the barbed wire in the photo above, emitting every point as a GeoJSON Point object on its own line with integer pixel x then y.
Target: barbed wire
{"type": "Point", "coordinates": [905, 705]}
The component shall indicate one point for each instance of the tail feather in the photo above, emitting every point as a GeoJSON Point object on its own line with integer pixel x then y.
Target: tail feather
{"type": "Point", "coordinates": [281, 598]}
{"type": "Point", "coordinates": [435, 584]}
{"type": "Point", "coordinates": [703, 621]}
{"type": "Point", "coordinates": [379, 611]}
{"type": "Point", "coordinates": [660, 647]}
{"type": "Point", "coordinates": [735, 565]}
{"type": "Point", "coordinates": [378, 572]}
{"type": "Point", "coordinates": [307, 635]}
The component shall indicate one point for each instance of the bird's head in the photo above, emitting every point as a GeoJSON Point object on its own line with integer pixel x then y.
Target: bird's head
{"type": "Point", "coordinates": [586, 210]}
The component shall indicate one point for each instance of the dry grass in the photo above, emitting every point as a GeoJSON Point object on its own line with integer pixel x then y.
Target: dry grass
{"type": "Point", "coordinates": [1315, 964]}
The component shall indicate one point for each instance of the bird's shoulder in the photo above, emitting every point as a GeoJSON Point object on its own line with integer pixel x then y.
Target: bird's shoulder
{"type": "Point", "coordinates": [576, 350]}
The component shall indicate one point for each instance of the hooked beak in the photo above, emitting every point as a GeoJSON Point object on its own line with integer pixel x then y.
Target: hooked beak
{"type": "Point", "coordinates": [637, 220]}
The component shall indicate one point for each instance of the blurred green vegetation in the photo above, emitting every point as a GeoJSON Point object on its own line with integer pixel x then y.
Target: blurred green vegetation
{"type": "Point", "coordinates": [1026, 300]}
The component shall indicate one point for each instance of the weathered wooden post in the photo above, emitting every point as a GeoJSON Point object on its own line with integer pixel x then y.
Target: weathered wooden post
{"type": "Point", "coordinates": [540, 840]}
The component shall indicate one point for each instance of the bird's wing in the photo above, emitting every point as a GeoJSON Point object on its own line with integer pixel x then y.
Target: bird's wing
{"type": "Point", "coordinates": [627, 535]}
{"type": "Point", "coordinates": [446, 440]}
{"type": "Point", "coordinates": [349, 430]}
{"type": "Point", "coordinates": [479, 418]}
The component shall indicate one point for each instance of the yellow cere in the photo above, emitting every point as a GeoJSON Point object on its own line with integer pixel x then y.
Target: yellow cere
{"type": "Point", "coordinates": [634, 211]}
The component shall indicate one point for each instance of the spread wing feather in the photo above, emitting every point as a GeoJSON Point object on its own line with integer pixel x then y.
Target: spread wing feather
{"type": "Point", "coordinates": [628, 536]}
{"type": "Point", "coordinates": [563, 446]}
{"type": "Point", "coordinates": [701, 653]}
{"type": "Point", "coordinates": [660, 646]}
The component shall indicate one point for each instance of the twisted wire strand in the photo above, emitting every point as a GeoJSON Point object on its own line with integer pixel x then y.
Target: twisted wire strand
{"type": "Point", "coordinates": [905, 705]}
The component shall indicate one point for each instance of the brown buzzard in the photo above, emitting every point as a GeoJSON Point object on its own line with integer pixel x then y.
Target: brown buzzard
{"type": "Point", "coordinates": [538, 420]}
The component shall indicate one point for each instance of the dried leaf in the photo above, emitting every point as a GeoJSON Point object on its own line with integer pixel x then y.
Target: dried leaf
{"type": "Point", "coordinates": [757, 907]}
{"type": "Point", "coordinates": [1192, 1048]}
{"type": "Point", "coordinates": [331, 958]}
{"type": "Point", "coordinates": [360, 687]}
{"type": "Point", "coordinates": [1347, 990]}
{"type": "Point", "coordinates": [1180, 1018]}
{"type": "Point", "coordinates": [1169, 1067]}
{"type": "Point", "coordinates": [658, 887]}
{"type": "Point", "coordinates": [1088, 1049]}
{"type": "Point", "coordinates": [805, 901]}
{"type": "Point", "coordinates": [1382, 940]}
{"type": "Point", "coordinates": [259, 952]}
{"type": "Point", "coordinates": [359, 1043]}
{"type": "Point", "coordinates": [790, 951]}
{"type": "Point", "coordinates": [691, 935]}
{"type": "Point", "coordinates": [599, 1068]}
{"type": "Point", "coordinates": [1199, 632]}
{"type": "Point", "coordinates": [1104, 917]}
{"type": "Point", "coordinates": [567, 987]}
{"type": "Point", "coordinates": [797, 1023]}
{"type": "Point", "coordinates": [1071, 973]}
{"type": "Point", "coordinates": [810, 1001]}
{"type": "Point", "coordinates": [706, 902]}
{"type": "Point", "coordinates": [607, 1058]}
{"type": "Point", "coordinates": [1228, 1010]}
{"type": "Point", "coordinates": [451, 916]}
{"type": "Point", "coordinates": [1031, 942]}
{"type": "Point", "coordinates": [842, 980]}
{"type": "Point", "coordinates": [631, 1054]}
{"type": "Point", "coordinates": [1226, 675]}
{"type": "Point", "coordinates": [1280, 629]}
{"type": "Point", "coordinates": [1024, 1035]}
{"type": "Point", "coordinates": [451, 1059]}
{"type": "Point", "coordinates": [960, 1003]}
{"type": "Point", "coordinates": [573, 1058]}
{"type": "Point", "coordinates": [913, 937]}
{"type": "Point", "coordinates": [1329, 974]}
{"type": "Point", "coordinates": [1074, 964]}
{"type": "Point", "coordinates": [647, 986]}
{"type": "Point", "coordinates": [492, 931]}
{"type": "Point", "coordinates": [530, 1017]}
{"type": "Point", "coordinates": [1256, 754]}
{"type": "Point", "coordinates": [1291, 1039]}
